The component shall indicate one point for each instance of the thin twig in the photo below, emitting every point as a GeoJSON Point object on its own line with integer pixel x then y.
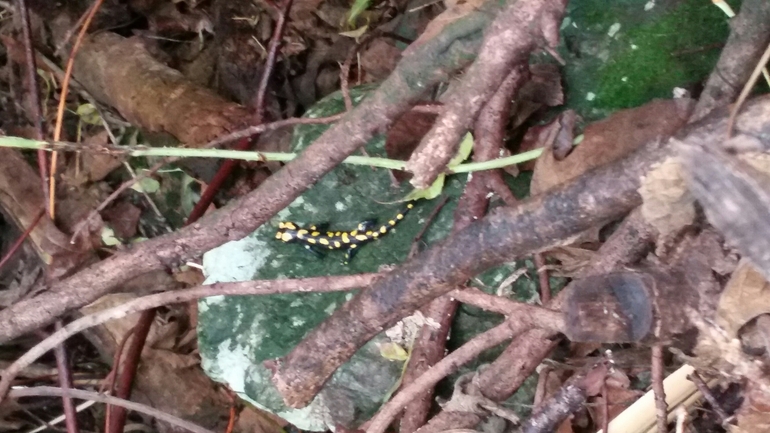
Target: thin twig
{"type": "Point", "coordinates": [227, 166]}
{"type": "Point", "coordinates": [724, 418]}
{"type": "Point", "coordinates": [467, 352]}
{"type": "Point", "coordinates": [16, 245]}
{"type": "Point", "coordinates": [51, 391]}
{"type": "Point", "coordinates": [63, 102]}
{"type": "Point", "coordinates": [65, 382]}
{"type": "Point", "coordinates": [542, 276]}
{"type": "Point", "coordinates": [418, 237]}
{"type": "Point", "coordinates": [183, 152]}
{"type": "Point", "coordinates": [661, 408]}
{"type": "Point", "coordinates": [117, 415]}
{"type": "Point", "coordinates": [275, 43]}
{"type": "Point", "coordinates": [34, 93]}
{"type": "Point", "coordinates": [746, 90]}
{"type": "Point", "coordinates": [263, 287]}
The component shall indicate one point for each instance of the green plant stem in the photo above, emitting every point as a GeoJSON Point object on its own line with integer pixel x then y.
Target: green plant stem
{"type": "Point", "coordinates": [184, 152]}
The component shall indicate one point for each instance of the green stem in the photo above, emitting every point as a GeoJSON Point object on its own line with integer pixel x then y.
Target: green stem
{"type": "Point", "coordinates": [184, 152]}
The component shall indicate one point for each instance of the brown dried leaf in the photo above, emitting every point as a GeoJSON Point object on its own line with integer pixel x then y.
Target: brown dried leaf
{"type": "Point", "coordinates": [123, 217]}
{"type": "Point", "coordinates": [406, 133]}
{"type": "Point", "coordinates": [542, 90]}
{"type": "Point", "coordinates": [379, 59]}
{"type": "Point", "coordinates": [610, 139]}
{"type": "Point", "coordinates": [619, 396]}
{"type": "Point", "coordinates": [573, 259]}
{"type": "Point", "coordinates": [746, 296]}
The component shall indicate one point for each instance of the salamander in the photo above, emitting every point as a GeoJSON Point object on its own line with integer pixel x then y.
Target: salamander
{"type": "Point", "coordinates": [315, 238]}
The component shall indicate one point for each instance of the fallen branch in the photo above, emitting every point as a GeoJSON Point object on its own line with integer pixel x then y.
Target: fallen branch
{"type": "Point", "coordinates": [89, 395]}
{"type": "Point", "coordinates": [432, 62]}
{"type": "Point", "coordinates": [517, 30]}
{"type": "Point", "coordinates": [513, 326]}
{"type": "Point", "coordinates": [267, 287]}
{"type": "Point", "coordinates": [543, 221]}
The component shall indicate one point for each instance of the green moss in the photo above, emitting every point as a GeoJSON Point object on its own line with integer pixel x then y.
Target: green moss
{"type": "Point", "coordinates": [673, 44]}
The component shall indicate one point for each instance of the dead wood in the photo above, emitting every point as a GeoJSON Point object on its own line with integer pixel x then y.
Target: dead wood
{"type": "Point", "coordinates": [735, 197]}
{"type": "Point", "coordinates": [628, 244]}
{"type": "Point", "coordinates": [516, 31]}
{"type": "Point", "coordinates": [120, 72]}
{"type": "Point", "coordinates": [749, 36]}
{"type": "Point", "coordinates": [430, 63]}
{"type": "Point", "coordinates": [540, 222]}
{"type": "Point", "coordinates": [430, 344]}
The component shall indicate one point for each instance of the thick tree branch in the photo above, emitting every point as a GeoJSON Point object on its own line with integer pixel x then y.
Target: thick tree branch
{"type": "Point", "coordinates": [540, 222]}
{"type": "Point", "coordinates": [516, 31]}
{"type": "Point", "coordinates": [431, 62]}
{"type": "Point", "coordinates": [749, 36]}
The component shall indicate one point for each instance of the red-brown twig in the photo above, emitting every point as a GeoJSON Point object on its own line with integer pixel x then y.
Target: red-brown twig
{"type": "Point", "coordinates": [314, 285]}
{"type": "Point", "coordinates": [63, 102]}
{"type": "Point", "coordinates": [224, 171]}
{"type": "Point", "coordinates": [20, 241]}
{"type": "Point", "coordinates": [118, 414]}
{"type": "Point", "coordinates": [34, 95]}
{"type": "Point", "coordinates": [542, 276]}
{"type": "Point", "coordinates": [272, 52]}
{"type": "Point", "coordinates": [109, 382]}
{"type": "Point", "coordinates": [65, 382]}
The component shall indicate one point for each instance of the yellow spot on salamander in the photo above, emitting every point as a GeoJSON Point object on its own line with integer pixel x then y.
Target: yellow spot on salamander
{"type": "Point", "coordinates": [278, 235]}
{"type": "Point", "coordinates": [301, 233]}
{"type": "Point", "coordinates": [338, 234]}
{"type": "Point", "coordinates": [354, 233]}
{"type": "Point", "coordinates": [345, 238]}
{"type": "Point", "coordinates": [375, 235]}
{"type": "Point", "coordinates": [384, 229]}
{"type": "Point", "coordinates": [329, 234]}
{"type": "Point", "coordinates": [362, 237]}
{"type": "Point", "coordinates": [323, 241]}
{"type": "Point", "coordinates": [354, 246]}
{"type": "Point", "coordinates": [311, 241]}
{"type": "Point", "coordinates": [392, 223]}
{"type": "Point", "coordinates": [315, 234]}
{"type": "Point", "coordinates": [400, 216]}
{"type": "Point", "coordinates": [286, 237]}
{"type": "Point", "coordinates": [410, 205]}
{"type": "Point", "coordinates": [337, 244]}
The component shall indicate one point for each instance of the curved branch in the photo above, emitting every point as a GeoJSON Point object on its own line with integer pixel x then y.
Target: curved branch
{"type": "Point", "coordinates": [543, 221]}
{"type": "Point", "coordinates": [428, 64]}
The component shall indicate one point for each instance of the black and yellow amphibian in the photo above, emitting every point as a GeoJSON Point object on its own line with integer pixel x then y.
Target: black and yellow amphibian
{"type": "Point", "coordinates": [315, 238]}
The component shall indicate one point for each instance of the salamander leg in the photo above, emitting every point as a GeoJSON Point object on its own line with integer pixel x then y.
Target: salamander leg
{"type": "Point", "coordinates": [316, 252]}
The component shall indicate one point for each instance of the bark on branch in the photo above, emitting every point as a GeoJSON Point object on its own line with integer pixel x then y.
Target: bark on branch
{"type": "Point", "coordinates": [540, 222]}
{"type": "Point", "coordinates": [434, 61]}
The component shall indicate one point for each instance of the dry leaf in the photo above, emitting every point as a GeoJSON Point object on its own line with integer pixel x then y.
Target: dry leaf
{"type": "Point", "coordinates": [610, 139]}
{"type": "Point", "coordinates": [123, 217]}
{"type": "Point", "coordinates": [746, 296]}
